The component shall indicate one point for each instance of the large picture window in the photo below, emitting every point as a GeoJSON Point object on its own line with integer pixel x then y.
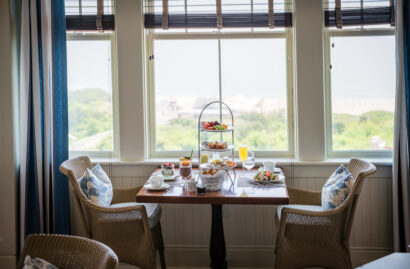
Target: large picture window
{"type": "Point", "coordinates": [238, 52]}
{"type": "Point", "coordinates": [91, 69]}
{"type": "Point", "coordinates": [361, 91]}
{"type": "Point", "coordinates": [360, 77]}
{"type": "Point", "coordinates": [248, 72]}
{"type": "Point", "coordinates": [90, 92]}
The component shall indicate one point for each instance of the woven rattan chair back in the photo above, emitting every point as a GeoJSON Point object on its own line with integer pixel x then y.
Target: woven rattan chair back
{"type": "Point", "coordinates": [74, 169]}
{"type": "Point", "coordinates": [319, 238]}
{"type": "Point", "coordinates": [360, 170]}
{"type": "Point", "coordinates": [125, 230]}
{"type": "Point", "coordinates": [69, 252]}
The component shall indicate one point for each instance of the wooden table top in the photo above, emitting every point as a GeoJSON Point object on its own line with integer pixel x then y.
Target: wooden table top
{"type": "Point", "coordinates": [230, 194]}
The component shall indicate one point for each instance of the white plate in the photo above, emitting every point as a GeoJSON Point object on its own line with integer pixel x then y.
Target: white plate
{"type": "Point", "coordinates": [230, 147]}
{"type": "Point", "coordinates": [230, 128]}
{"type": "Point", "coordinates": [152, 188]}
{"type": "Point", "coordinates": [280, 180]}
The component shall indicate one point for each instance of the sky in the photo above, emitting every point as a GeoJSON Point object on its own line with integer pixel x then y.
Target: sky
{"type": "Point", "coordinates": [362, 67]}
{"type": "Point", "coordinates": [89, 65]}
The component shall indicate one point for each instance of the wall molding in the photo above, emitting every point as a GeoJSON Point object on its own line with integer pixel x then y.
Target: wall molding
{"type": "Point", "coordinates": [8, 262]}
{"type": "Point", "coordinates": [181, 256]}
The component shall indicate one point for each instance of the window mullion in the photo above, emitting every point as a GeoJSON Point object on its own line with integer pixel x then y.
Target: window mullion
{"type": "Point", "coordinates": [309, 86]}
{"type": "Point", "coordinates": [220, 78]}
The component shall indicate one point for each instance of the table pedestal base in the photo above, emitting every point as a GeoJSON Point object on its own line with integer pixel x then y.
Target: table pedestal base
{"type": "Point", "coordinates": [217, 248]}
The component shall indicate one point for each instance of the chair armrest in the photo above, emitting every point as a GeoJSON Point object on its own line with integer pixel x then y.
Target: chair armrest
{"type": "Point", "coordinates": [305, 218]}
{"type": "Point", "coordinates": [303, 197]}
{"type": "Point", "coordinates": [68, 251]}
{"type": "Point", "coordinates": [125, 195]}
{"type": "Point", "coordinates": [126, 231]}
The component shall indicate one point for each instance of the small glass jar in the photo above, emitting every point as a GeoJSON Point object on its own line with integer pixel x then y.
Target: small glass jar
{"type": "Point", "coordinates": [191, 185]}
{"type": "Point", "coordinates": [167, 170]}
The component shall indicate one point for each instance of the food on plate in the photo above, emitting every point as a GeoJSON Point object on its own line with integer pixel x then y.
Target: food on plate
{"type": "Point", "coordinates": [223, 164]}
{"type": "Point", "coordinates": [230, 163]}
{"type": "Point", "coordinates": [214, 125]}
{"type": "Point", "coordinates": [215, 145]}
{"type": "Point", "coordinates": [210, 171]}
{"type": "Point", "coordinates": [266, 175]}
{"type": "Point", "coordinates": [167, 169]}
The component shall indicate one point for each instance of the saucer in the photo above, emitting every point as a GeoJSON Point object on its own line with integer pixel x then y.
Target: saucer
{"type": "Point", "coordinates": [152, 188]}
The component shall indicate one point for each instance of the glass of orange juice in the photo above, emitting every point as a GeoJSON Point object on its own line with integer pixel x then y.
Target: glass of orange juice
{"type": "Point", "coordinates": [243, 155]}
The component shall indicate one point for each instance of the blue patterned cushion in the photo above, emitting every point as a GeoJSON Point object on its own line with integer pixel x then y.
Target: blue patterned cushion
{"type": "Point", "coordinates": [101, 175]}
{"type": "Point", "coordinates": [95, 189]}
{"type": "Point", "coordinates": [337, 188]}
{"type": "Point", "coordinates": [37, 263]}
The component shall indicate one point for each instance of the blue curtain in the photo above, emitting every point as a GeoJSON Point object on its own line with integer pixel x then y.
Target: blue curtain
{"type": "Point", "coordinates": [60, 110]}
{"type": "Point", "coordinates": [44, 194]}
{"type": "Point", "coordinates": [401, 178]}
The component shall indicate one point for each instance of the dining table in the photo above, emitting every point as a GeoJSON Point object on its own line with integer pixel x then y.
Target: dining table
{"type": "Point", "coordinates": [236, 189]}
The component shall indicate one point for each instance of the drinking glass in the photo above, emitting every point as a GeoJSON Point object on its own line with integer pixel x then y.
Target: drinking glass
{"type": "Point", "coordinates": [250, 161]}
{"type": "Point", "coordinates": [243, 154]}
{"type": "Point", "coordinates": [185, 170]}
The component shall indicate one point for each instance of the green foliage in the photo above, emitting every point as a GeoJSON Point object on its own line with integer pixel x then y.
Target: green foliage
{"type": "Point", "coordinates": [90, 114]}
{"type": "Point", "coordinates": [269, 132]}
{"type": "Point", "coordinates": [352, 132]}
{"type": "Point", "coordinates": [179, 134]}
{"type": "Point", "coordinates": [90, 123]}
{"type": "Point", "coordinates": [259, 132]}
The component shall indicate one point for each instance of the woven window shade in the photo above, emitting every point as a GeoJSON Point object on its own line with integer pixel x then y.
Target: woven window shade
{"type": "Point", "coordinates": [89, 15]}
{"type": "Point", "coordinates": [171, 14]}
{"type": "Point", "coordinates": [339, 13]}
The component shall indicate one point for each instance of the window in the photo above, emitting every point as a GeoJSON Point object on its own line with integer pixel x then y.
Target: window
{"type": "Point", "coordinates": [194, 63]}
{"type": "Point", "coordinates": [360, 77]}
{"type": "Point", "coordinates": [362, 91]}
{"type": "Point", "coordinates": [248, 73]}
{"type": "Point", "coordinates": [90, 79]}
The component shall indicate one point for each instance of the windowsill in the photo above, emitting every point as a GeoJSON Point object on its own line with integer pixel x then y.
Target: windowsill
{"type": "Point", "coordinates": [279, 161]}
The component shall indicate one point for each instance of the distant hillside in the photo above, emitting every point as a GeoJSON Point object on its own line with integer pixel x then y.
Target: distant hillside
{"type": "Point", "coordinates": [90, 114]}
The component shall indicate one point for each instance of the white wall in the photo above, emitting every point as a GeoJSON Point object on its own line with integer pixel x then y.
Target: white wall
{"type": "Point", "coordinates": [7, 147]}
{"type": "Point", "coordinates": [309, 103]}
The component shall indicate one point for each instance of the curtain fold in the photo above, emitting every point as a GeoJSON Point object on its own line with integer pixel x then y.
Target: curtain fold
{"type": "Point", "coordinates": [44, 206]}
{"type": "Point", "coordinates": [401, 179]}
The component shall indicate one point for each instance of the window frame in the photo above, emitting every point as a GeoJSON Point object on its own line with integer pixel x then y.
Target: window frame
{"type": "Point", "coordinates": [111, 36]}
{"type": "Point", "coordinates": [329, 33]}
{"type": "Point", "coordinates": [151, 36]}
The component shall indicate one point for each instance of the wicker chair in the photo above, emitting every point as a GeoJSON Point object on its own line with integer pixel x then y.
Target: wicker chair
{"type": "Point", "coordinates": [310, 237]}
{"type": "Point", "coordinates": [132, 230]}
{"type": "Point", "coordinates": [69, 252]}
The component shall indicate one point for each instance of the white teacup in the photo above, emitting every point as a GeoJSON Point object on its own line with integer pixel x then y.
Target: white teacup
{"type": "Point", "coordinates": [269, 166]}
{"type": "Point", "coordinates": [157, 181]}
